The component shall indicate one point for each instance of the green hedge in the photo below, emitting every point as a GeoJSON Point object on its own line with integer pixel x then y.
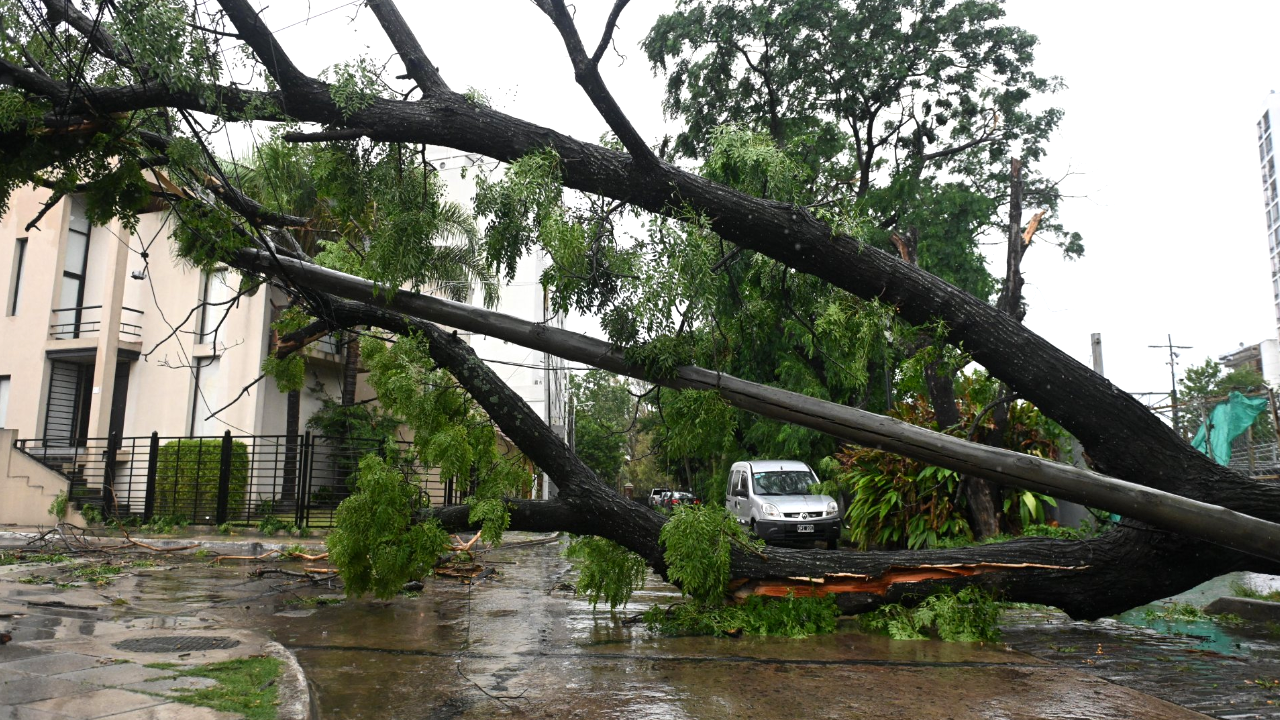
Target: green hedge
{"type": "Point", "coordinates": [187, 478]}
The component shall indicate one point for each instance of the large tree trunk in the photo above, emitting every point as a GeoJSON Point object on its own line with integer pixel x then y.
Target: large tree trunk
{"type": "Point", "coordinates": [1087, 579]}
{"type": "Point", "coordinates": [1134, 501]}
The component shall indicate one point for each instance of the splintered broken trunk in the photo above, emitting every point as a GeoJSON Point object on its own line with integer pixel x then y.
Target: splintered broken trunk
{"type": "Point", "coordinates": [1118, 570]}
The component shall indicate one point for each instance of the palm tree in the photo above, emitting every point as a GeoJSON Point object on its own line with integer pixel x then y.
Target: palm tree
{"type": "Point", "coordinates": [376, 211]}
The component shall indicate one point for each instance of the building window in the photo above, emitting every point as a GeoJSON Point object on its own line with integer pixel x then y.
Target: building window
{"type": "Point", "coordinates": [4, 400]}
{"type": "Point", "coordinates": [15, 276]}
{"type": "Point", "coordinates": [70, 311]}
{"type": "Point", "coordinates": [214, 297]}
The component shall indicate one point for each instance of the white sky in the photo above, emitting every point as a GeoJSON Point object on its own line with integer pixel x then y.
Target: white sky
{"type": "Point", "coordinates": [1159, 131]}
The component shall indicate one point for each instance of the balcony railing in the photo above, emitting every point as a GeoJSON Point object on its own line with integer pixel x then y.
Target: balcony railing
{"type": "Point", "coordinates": [86, 322]}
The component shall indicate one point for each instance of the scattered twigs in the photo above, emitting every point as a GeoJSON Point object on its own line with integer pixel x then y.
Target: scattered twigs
{"type": "Point", "coordinates": [153, 548]}
{"type": "Point", "coordinates": [218, 560]}
{"type": "Point", "coordinates": [312, 574]}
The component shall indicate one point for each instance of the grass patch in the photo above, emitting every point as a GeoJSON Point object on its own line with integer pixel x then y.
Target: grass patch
{"type": "Point", "coordinates": [162, 665]}
{"type": "Point", "coordinates": [97, 574]}
{"type": "Point", "coordinates": [313, 601]}
{"type": "Point", "coordinates": [246, 686]}
{"type": "Point", "coordinates": [1246, 590]}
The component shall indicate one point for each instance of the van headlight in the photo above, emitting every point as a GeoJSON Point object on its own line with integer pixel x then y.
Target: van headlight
{"type": "Point", "coordinates": [832, 508]}
{"type": "Point", "coordinates": [770, 510]}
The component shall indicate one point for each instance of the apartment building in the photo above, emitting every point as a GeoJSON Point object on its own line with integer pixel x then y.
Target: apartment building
{"type": "Point", "coordinates": [108, 339]}
{"type": "Point", "coordinates": [1270, 194]}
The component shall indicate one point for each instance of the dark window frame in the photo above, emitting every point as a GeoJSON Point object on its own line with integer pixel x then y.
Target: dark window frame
{"type": "Point", "coordinates": [19, 258]}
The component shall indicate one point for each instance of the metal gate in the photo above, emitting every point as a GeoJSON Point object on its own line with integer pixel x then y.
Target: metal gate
{"type": "Point", "coordinates": [228, 479]}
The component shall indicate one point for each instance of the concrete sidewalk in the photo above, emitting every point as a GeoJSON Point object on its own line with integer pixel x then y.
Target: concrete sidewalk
{"type": "Point", "coordinates": [81, 652]}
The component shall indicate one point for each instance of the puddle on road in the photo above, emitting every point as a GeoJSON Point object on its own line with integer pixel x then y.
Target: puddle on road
{"type": "Point", "coordinates": [513, 645]}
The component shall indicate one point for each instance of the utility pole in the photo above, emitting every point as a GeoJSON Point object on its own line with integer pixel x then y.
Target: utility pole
{"type": "Point", "coordinates": [1173, 377]}
{"type": "Point", "coordinates": [1096, 341]}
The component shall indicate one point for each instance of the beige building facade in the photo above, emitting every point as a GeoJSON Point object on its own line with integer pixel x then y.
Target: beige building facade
{"type": "Point", "coordinates": [106, 332]}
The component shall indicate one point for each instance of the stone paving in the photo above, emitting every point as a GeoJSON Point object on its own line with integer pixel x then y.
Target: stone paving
{"type": "Point", "coordinates": [63, 664]}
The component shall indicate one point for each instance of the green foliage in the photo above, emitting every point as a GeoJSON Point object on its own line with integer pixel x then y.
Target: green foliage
{"type": "Point", "coordinates": [375, 544]}
{"type": "Point", "coordinates": [897, 502]}
{"type": "Point", "coordinates": [527, 196]}
{"type": "Point", "coordinates": [451, 432]}
{"type": "Point", "coordinates": [290, 372]}
{"type": "Point", "coordinates": [492, 515]}
{"type": "Point", "coordinates": [604, 421]}
{"type": "Point", "coordinates": [793, 617]}
{"type": "Point", "coordinates": [92, 514]}
{"type": "Point", "coordinates": [270, 525]}
{"type": "Point", "coordinates": [1247, 590]}
{"type": "Point", "coordinates": [187, 477]}
{"type": "Point", "coordinates": [98, 574]}
{"type": "Point", "coordinates": [970, 615]}
{"type": "Point", "coordinates": [58, 508]}
{"type": "Point", "coordinates": [353, 86]}
{"type": "Point", "coordinates": [1176, 612]}
{"type": "Point", "coordinates": [696, 545]}
{"type": "Point", "coordinates": [606, 570]}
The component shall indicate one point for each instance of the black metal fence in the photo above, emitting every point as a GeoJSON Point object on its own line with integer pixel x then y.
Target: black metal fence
{"type": "Point", "coordinates": [215, 480]}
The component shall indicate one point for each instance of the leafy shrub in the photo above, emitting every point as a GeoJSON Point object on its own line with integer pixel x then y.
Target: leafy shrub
{"type": "Point", "coordinates": [92, 514]}
{"type": "Point", "coordinates": [187, 477]}
{"type": "Point", "coordinates": [970, 615]}
{"type": "Point", "coordinates": [58, 508]}
{"type": "Point", "coordinates": [902, 503]}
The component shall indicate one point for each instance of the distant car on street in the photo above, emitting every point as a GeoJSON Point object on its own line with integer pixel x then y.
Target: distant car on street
{"type": "Point", "coordinates": [655, 496]}
{"type": "Point", "coordinates": [672, 499]}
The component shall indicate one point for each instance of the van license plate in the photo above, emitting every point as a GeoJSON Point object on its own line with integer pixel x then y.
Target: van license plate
{"type": "Point", "coordinates": [804, 528]}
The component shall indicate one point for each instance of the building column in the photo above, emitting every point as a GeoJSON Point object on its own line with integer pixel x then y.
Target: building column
{"type": "Point", "coordinates": [104, 363]}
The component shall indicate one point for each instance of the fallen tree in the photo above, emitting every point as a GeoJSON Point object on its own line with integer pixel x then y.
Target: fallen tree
{"type": "Point", "coordinates": [62, 110]}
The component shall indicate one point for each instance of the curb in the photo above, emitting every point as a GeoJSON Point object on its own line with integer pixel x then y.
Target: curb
{"type": "Point", "coordinates": [294, 691]}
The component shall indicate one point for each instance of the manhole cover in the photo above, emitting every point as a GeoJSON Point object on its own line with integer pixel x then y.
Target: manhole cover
{"type": "Point", "coordinates": [176, 644]}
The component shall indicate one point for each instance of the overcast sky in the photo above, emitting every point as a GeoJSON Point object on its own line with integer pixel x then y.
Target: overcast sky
{"type": "Point", "coordinates": [1159, 135]}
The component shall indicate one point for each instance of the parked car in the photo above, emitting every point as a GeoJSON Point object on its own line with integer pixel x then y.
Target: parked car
{"type": "Point", "coordinates": [674, 498]}
{"type": "Point", "coordinates": [774, 498]}
{"type": "Point", "coordinates": [655, 496]}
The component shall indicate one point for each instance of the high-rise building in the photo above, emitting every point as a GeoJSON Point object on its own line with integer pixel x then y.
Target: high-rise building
{"type": "Point", "coordinates": [1270, 196]}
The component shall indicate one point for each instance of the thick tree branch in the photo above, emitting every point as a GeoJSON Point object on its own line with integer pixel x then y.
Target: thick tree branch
{"type": "Point", "coordinates": [607, 36]}
{"type": "Point", "coordinates": [1199, 519]}
{"type": "Point", "coordinates": [265, 46]}
{"type": "Point", "coordinates": [416, 63]}
{"type": "Point", "coordinates": [587, 72]}
{"type": "Point", "coordinates": [1062, 573]}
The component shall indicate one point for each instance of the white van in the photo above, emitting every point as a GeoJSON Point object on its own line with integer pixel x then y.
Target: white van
{"type": "Point", "coordinates": [773, 498]}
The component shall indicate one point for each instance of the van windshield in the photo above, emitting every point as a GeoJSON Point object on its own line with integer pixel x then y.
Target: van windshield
{"type": "Point", "coordinates": [783, 482]}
